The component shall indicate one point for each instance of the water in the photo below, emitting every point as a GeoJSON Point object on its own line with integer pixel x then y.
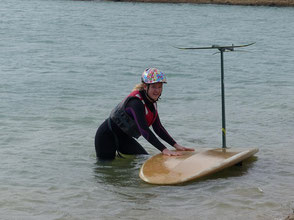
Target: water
{"type": "Point", "coordinates": [65, 64]}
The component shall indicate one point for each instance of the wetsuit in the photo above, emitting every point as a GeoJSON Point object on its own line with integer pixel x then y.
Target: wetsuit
{"type": "Point", "coordinates": [110, 138]}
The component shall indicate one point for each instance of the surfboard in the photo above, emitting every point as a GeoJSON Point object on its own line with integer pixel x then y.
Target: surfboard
{"type": "Point", "coordinates": [169, 170]}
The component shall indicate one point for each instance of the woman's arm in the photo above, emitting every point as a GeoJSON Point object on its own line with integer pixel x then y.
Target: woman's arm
{"type": "Point", "coordinates": [136, 110]}
{"type": "Point", "coordinates": [162, 133]}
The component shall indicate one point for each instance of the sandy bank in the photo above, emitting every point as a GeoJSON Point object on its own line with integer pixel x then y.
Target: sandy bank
{"type": "Point", "coordinates": [228, 2]}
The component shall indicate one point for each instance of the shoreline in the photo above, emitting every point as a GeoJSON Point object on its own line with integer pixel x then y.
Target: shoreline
{"type": "Point", "coordinates": [275, 3]}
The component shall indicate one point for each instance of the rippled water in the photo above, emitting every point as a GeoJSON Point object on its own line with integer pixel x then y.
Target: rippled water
{"type": "Point", "coordinates": [65, 64]}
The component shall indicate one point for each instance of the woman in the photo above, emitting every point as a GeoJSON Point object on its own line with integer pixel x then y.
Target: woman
{"type": "Point", "coordinates": [132, 118]}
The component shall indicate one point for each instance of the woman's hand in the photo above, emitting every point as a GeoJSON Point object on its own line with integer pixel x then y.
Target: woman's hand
{"type": "Point", "coordinates": [167, 152]}
{"type": "Point", "coordinates": [178, 147]}
{"type": "Point", "coordinates": [181, 148]}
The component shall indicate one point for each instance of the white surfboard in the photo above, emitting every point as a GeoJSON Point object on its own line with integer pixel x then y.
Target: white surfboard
{"type": "Point", "coordinates": [168, 170]}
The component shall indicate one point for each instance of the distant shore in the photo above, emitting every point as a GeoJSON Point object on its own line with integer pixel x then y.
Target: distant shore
{"type": "Point", "coordinates": [283, 3]}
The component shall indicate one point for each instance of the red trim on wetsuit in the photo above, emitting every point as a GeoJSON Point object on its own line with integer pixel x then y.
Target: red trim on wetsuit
{"type": "Point", "coordinates": [136, 109]}
{"type": "Point", "coordinates": [149, 115]}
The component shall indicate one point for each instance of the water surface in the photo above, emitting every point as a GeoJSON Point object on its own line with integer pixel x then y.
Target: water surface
{"type": "Point", "coordinates": [65, 64]}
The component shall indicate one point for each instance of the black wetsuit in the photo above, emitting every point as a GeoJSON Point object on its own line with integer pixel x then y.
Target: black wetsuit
{"type": "Point", "coordinates": [109, 140]}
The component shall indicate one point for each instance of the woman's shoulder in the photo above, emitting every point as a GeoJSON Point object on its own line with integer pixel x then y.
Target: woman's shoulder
{"type": "Point", "coordinates": [134, 101]}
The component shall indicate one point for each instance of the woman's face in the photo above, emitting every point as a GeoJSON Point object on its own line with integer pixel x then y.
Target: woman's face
{"type": "Point", "coordinates": [155, 90]}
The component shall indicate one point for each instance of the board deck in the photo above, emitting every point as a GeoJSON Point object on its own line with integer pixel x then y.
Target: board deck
{"type": "Point", "coordinates": [168, 170]}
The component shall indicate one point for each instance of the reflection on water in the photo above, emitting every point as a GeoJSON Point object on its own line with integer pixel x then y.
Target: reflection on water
{"type": "Point", "coordinates": [119, 172]}
{"type": "Point", "coordinates": [120, 178]}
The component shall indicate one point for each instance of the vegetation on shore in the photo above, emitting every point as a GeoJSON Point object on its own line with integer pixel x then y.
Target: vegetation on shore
{"type": "Point", "coordinates": [227, 2]}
